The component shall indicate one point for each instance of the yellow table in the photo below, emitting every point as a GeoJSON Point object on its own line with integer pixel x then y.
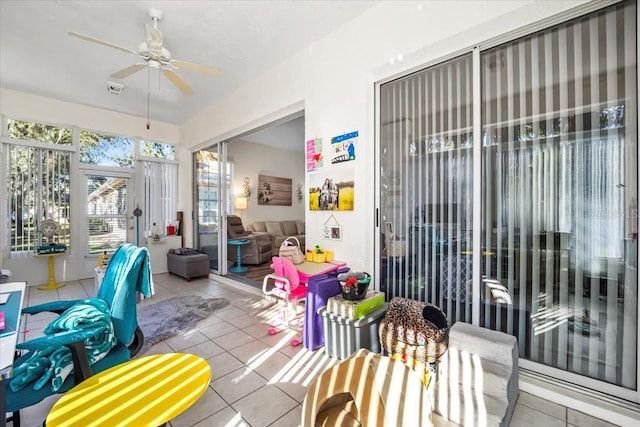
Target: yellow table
{"type": "Point", "coordinates": [148, 391]}
{"type": "Point", "coordinates": [52, 278]}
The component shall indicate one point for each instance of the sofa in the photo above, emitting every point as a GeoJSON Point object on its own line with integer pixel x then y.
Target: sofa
{"type": "Point", "coordinates": [278, 231]}
{"type": "Point", "coordinates": [259, 249]}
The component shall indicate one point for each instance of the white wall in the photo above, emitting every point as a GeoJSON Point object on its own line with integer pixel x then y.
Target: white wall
{"type": "Point", "coordinates": [334, 80]}
{"type": "Point", "coordinates": [250, 160]}
{"type": "Point", "coordinates": [19, 105]}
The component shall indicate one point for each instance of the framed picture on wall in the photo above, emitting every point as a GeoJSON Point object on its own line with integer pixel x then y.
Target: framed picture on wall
{"type": "Point", "coordinates": [331, 191]}
{"type": "Point", "coordinates": [274, 191]}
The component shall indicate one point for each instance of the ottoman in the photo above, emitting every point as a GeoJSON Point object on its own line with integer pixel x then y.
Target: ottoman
{"type": "Point", "coordinates": [188, 265]}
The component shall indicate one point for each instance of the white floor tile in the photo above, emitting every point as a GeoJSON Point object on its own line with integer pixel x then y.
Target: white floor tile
{"type": "Point", "coordinates": [264, 406]}
{"type": "Point", "coordinates": [292, 418]}
{"type": "Point", "coordinates": [238, 384]}
{"type": "Point", "coordinates": [581, 419]}
{"type": "Point", "coordinates": [545, 406]}
{"type": "Point", "coordinates": [226, 417]}
{"type": "Point", "coordinates": [523, 416]}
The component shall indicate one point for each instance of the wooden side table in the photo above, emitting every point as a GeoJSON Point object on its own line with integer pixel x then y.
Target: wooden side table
{"type": "Point", "coordinates": [52, 278]}
{"type": "Point", "coordinates": [148, 391]}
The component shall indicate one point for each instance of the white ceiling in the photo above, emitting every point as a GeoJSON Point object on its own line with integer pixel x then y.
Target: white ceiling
{"type": "Point", "coordinates": [241, 38]}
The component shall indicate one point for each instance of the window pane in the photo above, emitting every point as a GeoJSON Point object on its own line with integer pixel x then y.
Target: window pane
{"type": "Point", "coordinates": [157, 149]}
{"type": "Point", "coordinates": [106, 150]}
{"type": "Point", "coordinates": [38, 132]}
{"type": "Point", "coordinates": [559, 196]}
{"type": "Point", "coordinates": [38, 189]}
{"type": "Point", "coordinates": [106, 213]}
{"type": "Point", "coordinates": [426, 186]}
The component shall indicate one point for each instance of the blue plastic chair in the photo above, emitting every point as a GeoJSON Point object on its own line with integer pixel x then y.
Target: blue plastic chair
{"type": "Point", "coordinates": [127, 273]}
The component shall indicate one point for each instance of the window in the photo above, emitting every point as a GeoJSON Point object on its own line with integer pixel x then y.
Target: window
{"type": "Point", "coordinates": [106, 150]}
{"type": "Point", "coordinates": [38, 179]}
{"type": "Point", "coordinates": [107, 198]}
{"type": "Point", "coordinates": [559, 210]}
{"type": "Point", "coordinates": [158, 150]}
{"type": "Point", "coordinates": [28, 131]}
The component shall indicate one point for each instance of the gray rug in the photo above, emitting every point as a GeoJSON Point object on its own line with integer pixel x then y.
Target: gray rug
{"type": "Point", "coordinates": [173, 316]}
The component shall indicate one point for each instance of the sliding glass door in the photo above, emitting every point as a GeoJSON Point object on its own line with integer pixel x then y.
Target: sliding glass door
{"type": "Point", "coordinates": [557, 139]}
{"type": "Point", "coordinates": [559, 155]}
{"type": "Point", "coordinates": [426, 191]}
{"type": "Point", "coordinates": [213, 200]}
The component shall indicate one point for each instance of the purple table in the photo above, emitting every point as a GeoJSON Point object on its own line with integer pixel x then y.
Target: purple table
{"type": "Point", "coordinates": [322, 284]}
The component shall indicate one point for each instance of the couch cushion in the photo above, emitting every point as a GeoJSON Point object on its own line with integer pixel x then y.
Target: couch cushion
{"type": "Point", "coordinates": [260, 226]}
{"type": "Point", "coordinates": [273, 227]}
{"type": "Point", "coordinates": [300, 226]}
{"type": "Point", "coordinates": [290, 228]}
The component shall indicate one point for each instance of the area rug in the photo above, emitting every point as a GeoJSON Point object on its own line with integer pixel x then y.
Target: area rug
{"type": "Point", "coordinates": [173, 316]}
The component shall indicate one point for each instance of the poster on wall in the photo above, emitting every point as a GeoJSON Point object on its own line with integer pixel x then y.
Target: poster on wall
{"type": "Point", "coordinates": [343, 147]}
{"type": "Point", "coordinates": [274, 191]}
{"type": "Point", "coordinates": [332, 191]}
{"type": "Point", "coordinates": [314, 154]}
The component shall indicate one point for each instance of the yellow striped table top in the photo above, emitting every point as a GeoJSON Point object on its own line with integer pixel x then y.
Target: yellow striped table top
{"type": "Point", "coordinates": [148, 391]}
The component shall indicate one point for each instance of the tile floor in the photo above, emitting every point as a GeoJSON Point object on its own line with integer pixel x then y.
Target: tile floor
{"type": "Point", "coordinates": [257, 379]}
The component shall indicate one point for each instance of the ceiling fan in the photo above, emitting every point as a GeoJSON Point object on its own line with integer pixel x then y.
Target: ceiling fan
{"type": "Point", "coordinates": [154, 55]}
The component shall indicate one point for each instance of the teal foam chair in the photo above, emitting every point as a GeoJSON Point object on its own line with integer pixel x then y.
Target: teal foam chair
{"type": "Point", "coordinates": [127, 273]}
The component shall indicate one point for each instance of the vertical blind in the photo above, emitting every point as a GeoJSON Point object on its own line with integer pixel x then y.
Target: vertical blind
{"type": "Point", "coordinates": [559, 190]}
{"type": "Point", "coordinates": [426, 197]}
{"type": "Point", "coordinates": [38, 189]}
{"type": "Point", "coordinates": [160, 195]}
{"type": "Point", "coordinates": [558, 207]}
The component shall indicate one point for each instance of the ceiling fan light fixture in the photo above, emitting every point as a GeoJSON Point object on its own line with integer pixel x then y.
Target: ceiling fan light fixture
{"type": "Point", "coordinates": [114, 87]}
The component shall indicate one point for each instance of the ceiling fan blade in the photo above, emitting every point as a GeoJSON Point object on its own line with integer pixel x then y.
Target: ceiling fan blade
{"type": "Point", "coordinates": [126, 72]}
{"type": "Point", "coordinates": [197, 67]}
{"type": "Point", "coordinates": [102, 42]}
{"type": "Point", "coordinates": [177, 80]}
{"type": "Point", "coordinates": [154, 40]}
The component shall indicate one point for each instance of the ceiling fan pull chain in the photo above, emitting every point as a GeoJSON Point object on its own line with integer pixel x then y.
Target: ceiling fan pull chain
{"type": "Point", "coordinates": [148, 103]}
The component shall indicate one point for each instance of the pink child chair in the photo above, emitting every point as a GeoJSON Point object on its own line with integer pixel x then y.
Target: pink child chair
{"type": "Point", "coordinates": [286, 287]}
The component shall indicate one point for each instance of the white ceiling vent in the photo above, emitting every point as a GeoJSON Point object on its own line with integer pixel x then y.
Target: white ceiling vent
{"type": "Point", "coordinates": [115, 88]}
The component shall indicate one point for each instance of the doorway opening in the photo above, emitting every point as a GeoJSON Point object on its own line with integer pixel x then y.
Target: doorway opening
{"type": "Point", "coordinates": [229, 177]}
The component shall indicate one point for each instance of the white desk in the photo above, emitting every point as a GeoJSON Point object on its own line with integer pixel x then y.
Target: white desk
{"type": "Point", "coordinates": [158, 252]}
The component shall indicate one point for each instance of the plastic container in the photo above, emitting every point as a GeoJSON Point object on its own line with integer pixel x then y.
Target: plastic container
{"type": "Point", "coordinates": [328, 255]}
{"type": "Point", "coordinates": [343, 336]}
{"type": "Point", "coordinates": [171, 230]}
{"type": "Point", "coordinates": [309, 256]}
{"type": "Point", "coordinates": [319, 257]}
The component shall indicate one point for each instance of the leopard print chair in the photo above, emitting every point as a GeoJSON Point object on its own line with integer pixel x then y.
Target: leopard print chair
{"type": "Point", "coordinates": [416, 329]}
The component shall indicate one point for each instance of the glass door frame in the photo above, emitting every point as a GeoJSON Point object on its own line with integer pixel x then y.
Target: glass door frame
{"type": "Point", "coordinates": [220, 149]}
{"type": "Point", "coordinates": [537, 370]}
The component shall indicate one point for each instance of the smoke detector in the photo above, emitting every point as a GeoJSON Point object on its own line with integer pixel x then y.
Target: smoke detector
{"type": "Point", "coordinates": [114, 87]}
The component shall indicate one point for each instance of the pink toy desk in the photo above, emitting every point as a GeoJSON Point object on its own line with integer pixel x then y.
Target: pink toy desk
{"type": "Point", "coordinates": [322, 284]}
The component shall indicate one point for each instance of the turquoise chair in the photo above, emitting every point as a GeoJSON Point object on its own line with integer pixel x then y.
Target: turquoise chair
{"type": "Point", "coordinates": [127, 273]}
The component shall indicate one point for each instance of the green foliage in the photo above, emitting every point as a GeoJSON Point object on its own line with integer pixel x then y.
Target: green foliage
{"type": "Point", "coordinates": [38, 132]}
{"type": "Point", "coordinates": [158, 150]}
